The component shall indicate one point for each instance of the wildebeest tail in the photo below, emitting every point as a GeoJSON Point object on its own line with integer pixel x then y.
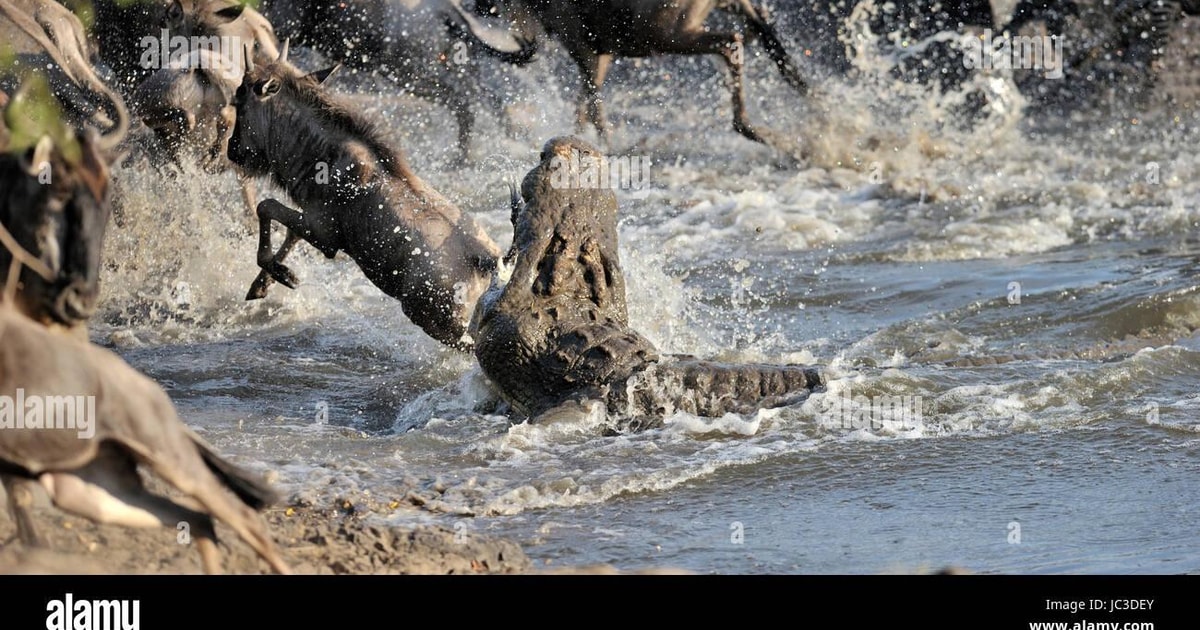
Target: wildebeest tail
{"type": "Point", "coordinates": [252, 490]}
{"type": "Point", "coordinates": [468, 28]}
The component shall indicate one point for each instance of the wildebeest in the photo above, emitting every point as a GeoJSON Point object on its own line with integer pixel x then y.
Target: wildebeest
{"type": "Point", "coordinates": [85, 455]}
{"type": "Point", "coordinates": [186, 98]}
{"type": "Point", "coordinates": [130, 35]}
{"type": "Point", "coordinates": [54, 200]}
{"type": "Point", "coordinates": [87, 458]}
{"type": "Point", "coordinates": [430, 48]}
{"type": "Point", "coordinates": [1113, 48]}
{"type": "Point", "coordinates": [358, 195]}
{"type": "Point", "coordinates": [595, 31]}
{"type": "Point", "coordinates": [54, 203]}
{"type": "Point", "coordinates": [179, 61]}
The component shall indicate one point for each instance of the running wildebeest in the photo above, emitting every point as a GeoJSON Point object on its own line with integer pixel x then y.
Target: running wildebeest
{"type": "Point", "coordinates": [130, 38]}
{"type": "Point", "coordinates": [358, 195]}
{"type": "Point", "coordinates": [557, 332]}
{"type": "Point", "coordinates": [596, 31]}
{"type": "Point", "coordinates": [1114, 49]}
{"type": "Point", "coordinates": [54, 197]}
{"type": "Point", "coordinates": [187, 98]}
{"type": "Point", "coordinates": [53, 201]}
{"type": "Point", "coordinates": [179, 61]}
{"type": "Point", "coordinates": [429, 48]}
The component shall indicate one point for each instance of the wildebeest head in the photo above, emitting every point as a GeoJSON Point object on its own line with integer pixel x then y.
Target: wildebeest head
{"type": "Point", "coordinates": [260, 117]}
{"type": "Point", "coordinates": [187, 101]}
{"type": "Point", "coordinates": [53, 201]}
{"type": "Point", "coordinates": [189, 105]}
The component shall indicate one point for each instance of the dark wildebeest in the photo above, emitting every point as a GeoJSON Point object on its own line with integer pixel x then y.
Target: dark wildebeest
{"type": "Point", "coordinates": [557, 333]}
{"type": "Point", "coordinates": [129, 35]}
{"type": "Point", "coordinates": [596, 31]}
{"type": "Point", "coordinates": [1113, 48]}
{"type": "Point", "coordinates": [54, 206]}
{"type": "Point", "coordinates": [53, 212]}
{"type": "Point", "coordinates": [429, 48]}
{"type": "Point", "coordinates": [180, 62]}
{"type": "Point", "coordinates": [358, 195]}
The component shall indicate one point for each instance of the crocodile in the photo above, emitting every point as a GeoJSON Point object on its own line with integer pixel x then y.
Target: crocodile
{"type": "Point", "coordinates": [557, 333]}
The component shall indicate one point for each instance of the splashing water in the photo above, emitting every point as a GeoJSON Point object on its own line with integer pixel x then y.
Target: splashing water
{"type": "Point", "coordinates": [904, 242]}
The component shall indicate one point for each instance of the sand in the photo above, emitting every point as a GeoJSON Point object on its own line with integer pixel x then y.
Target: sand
{"type": "Point", "coordinates": [339, 537]}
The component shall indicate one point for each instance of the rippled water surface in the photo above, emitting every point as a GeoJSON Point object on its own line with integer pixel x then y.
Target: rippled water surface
{"type": "Point", "coordinates": [1028, 284]}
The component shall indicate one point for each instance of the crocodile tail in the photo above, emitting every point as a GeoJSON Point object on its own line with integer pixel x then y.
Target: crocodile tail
{"type": "Point", "coordinates": [710, 388]}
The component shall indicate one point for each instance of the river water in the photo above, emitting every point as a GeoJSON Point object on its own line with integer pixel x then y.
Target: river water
{"type": "Point", "coordinates": [1024, 287]}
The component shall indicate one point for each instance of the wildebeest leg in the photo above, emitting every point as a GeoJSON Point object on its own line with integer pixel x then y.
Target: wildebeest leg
{"type": "Point", "coordinates": [731, 48]}
{"type": "Point", "coordinates": [735, 58]}
{"type": "Point", "coordinates": [465, 116]}
{"type": "Point", "coordinates": [594, 68]}
{"type": "Point", "coordinates": [249, 195]}
{"type": "Point", "coordinates": [258, 290]}
{"type": "Point", "coordinates": [20, 500]}
{"type": "Point", "coordinates": [109, 490]}
{"type": "Point", "coordinates": [298, 227]}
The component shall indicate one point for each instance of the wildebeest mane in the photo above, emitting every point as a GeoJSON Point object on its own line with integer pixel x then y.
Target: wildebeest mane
{"type": "Point", "coordinates": [331, 110]}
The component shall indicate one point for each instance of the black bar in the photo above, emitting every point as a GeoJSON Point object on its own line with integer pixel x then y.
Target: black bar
{"type": "Point", "coordinates": [845, 601]}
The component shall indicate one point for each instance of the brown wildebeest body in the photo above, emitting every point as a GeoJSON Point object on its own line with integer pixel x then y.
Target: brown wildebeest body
{"type": "Point", "coordinates": [90, 469]}
{"type": "Point", "coordinates": [134, 421]}
{"type": "Point", "coordinates": [358, 195]}
{"type": "Point", "coordinates": [596, 31]}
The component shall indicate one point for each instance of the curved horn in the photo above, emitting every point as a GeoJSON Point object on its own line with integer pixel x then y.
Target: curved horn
{"type": "Point", "coordinates": [116, 134]}
{"type": "Point", "coordinates": [283, 52]}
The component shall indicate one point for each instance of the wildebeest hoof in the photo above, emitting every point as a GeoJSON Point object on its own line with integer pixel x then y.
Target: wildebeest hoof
{"type": "Point", "coordinates": [282, 275]}
{"type": "Point", "coordinates": [258, 290]}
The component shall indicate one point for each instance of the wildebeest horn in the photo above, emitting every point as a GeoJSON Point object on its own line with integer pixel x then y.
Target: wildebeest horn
{"type": "Point", "coordinates": [110, 140]}
{"type": "Point", "coordinates": [283, 52]}
{"type": "Point", "coordinates": [320, 76]}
